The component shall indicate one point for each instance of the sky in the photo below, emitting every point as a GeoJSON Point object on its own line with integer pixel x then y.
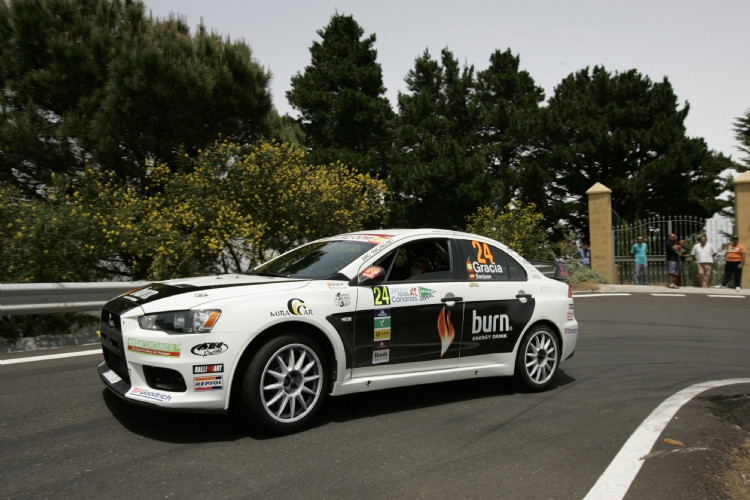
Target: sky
{"type": "Point", "coordinates": [702, 47]}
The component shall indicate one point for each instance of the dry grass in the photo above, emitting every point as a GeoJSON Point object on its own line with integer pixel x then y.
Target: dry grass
{"type": "Point", "coordinates": [734, 481]}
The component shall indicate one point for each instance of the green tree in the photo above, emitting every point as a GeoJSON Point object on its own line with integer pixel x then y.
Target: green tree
{"type": "Point", "coordinates": [517, 225]}
{"type": "Point", "coordinates": [225, 209]}
{"type": "Point", "coordinates": [742, 134]}
{"type": "Point", "coordinates": [509, 113]}
{"type": "Point", "coordinates": [97, 80]}
{"type": "Point", "coordinates": [340, 97]}
{"type": "Point", "coordinates": [628, 133]}
{"type": "Point", "coordinates": [438, 176]}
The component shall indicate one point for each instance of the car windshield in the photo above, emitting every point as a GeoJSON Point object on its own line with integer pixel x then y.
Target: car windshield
{"type": "Point", "coordinates": [319, 260]}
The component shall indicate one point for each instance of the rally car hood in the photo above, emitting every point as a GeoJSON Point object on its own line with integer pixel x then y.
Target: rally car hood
{"type": "Point", "coordinates": [189, 293]}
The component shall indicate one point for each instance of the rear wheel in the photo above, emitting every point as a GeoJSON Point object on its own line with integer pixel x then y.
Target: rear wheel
{"type": "Point", "coordinates": [538, 358]}
{"type": "Point", "coordinates": [285, 384]}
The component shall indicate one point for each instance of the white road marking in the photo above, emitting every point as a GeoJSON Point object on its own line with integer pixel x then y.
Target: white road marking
{"type": "Point", "coordinates": [575, 295]}
{"type": "Point", "coordinates": [668, 295]}
{"type": "Point", "coordinates": [616, 480]}
{"type": "Point", "coordinates": [727, 296]}
{"type": "Point", "coordinates": [49, 356]}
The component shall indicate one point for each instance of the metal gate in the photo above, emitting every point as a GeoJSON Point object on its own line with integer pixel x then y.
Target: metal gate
{"type": "Point", "coordinates": [655, 230]}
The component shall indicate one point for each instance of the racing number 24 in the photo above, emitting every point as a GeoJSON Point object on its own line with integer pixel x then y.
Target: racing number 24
{"type": "Point", "coordinates": [484, 253]}
{"type": "Point", "coordinates": [381, 296]}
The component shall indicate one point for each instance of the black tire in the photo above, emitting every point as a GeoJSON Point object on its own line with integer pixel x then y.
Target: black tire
{"type": "Point", "coordinates": [285, 384]}
{"type": "Point", "coordinates": [538, 358]}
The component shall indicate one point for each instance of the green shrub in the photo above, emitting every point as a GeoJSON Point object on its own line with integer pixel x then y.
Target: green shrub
{"type": "Point", "coordinates": [13, 328]}
{"type": "Point", "coordinates": [583, 274]}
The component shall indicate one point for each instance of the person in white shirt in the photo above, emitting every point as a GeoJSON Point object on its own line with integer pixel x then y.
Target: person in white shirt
{"type": "Point", "coordinates": [704, 255]}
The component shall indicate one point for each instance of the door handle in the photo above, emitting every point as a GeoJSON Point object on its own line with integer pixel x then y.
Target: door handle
{"type": "Point", "coordinates": [523, 295]}
{"type": "Point", "coordinates": [452, 299]}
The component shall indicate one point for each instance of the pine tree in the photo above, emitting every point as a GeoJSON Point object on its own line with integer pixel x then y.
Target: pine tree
{"type": "Point", "coordinates": [340, 97]}
{"type": "Point", "coordinates": [628, 133]}
{"type": "Point", "coordinates": [98, 82]}
{"type": "Point", "coordinates": [439, 176]}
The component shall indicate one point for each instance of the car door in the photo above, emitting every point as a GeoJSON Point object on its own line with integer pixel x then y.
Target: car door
{"type": "Point", "coordinates": [499, 301]}
{"type": "Point", "coordinates": [409, 322]}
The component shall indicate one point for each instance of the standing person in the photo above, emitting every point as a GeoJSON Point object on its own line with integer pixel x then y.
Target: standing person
{"type": "Point", "coordinates": [704, 254]}
{"type": "Point", "coordinates": [684, 264]}
{"type": "Point", "coordinates": [639, 251]}
{"type": "Point", "coordinates": [584, 255]}
{"type": "Point", "coordinates": [671, 249]}
{"type": "Point", "coordinates": [736, 252]}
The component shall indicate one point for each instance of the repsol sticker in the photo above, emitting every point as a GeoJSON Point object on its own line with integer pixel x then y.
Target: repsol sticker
{"type": "Point", "coordinates": [208, 383]}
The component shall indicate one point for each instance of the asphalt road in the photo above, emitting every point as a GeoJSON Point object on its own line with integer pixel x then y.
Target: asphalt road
{"type": "Point", "coordinates": [63, 435]}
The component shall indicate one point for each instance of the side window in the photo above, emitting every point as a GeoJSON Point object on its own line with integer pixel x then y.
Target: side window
{"type": "Point", "coordinates": [515, 271]}
{"type": "Point", "coordinates": [422, 260]}
{"type": "Point", "coordinates": [485, 262]}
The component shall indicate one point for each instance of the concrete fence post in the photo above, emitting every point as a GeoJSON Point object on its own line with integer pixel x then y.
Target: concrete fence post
{"type": "Point", "coordinates": [600, 230]}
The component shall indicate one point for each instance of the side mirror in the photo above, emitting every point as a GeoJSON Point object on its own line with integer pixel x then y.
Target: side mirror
{"type": "Point", "coordinates": [372, 275]}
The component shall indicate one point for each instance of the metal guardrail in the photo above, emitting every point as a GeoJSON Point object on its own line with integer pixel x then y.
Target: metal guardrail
{"type": "Point", "coordinates": [45, 298]}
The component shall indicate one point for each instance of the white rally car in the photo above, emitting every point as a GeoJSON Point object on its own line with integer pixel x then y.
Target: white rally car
{"type": "Point", "coordinates": [350, 313]}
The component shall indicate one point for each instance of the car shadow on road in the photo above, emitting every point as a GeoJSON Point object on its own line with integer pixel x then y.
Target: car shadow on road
{"type": "Point", "coordinates": [370, 404]}
{"type": "Point", "coordinates": [173, 426]}
{"type": "Point", "coordinates": [182, 427]}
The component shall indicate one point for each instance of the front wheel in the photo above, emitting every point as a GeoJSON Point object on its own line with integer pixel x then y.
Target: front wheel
{"type": "Point", "coordinates": [538, 358]}
{"type": "Point", "coordinates": [285, 384]}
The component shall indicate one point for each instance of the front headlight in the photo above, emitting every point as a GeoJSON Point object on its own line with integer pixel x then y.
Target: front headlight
{"type": "Point", "coordinates": [181, 321]}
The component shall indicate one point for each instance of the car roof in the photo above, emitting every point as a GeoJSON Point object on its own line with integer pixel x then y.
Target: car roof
{"type": "Point", "coordinates": [400, 233]}
{"type": "Point", "coordinates": [397, 235]}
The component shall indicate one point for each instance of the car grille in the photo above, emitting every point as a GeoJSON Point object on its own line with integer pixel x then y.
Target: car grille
{"type": "Point", "coordinates": [112, 346]}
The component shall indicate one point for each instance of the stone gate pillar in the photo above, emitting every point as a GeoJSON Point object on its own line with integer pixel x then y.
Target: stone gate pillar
{"type": "Point", "coordinates": [600, 230]}
{"type": "Point", "coordinates": [742, 219]}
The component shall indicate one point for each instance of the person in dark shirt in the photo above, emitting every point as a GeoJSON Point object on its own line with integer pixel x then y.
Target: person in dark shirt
{"type": "Point", "coordinates": [584, 256]}
{"type": "Point", "coordinates": [672, 250]}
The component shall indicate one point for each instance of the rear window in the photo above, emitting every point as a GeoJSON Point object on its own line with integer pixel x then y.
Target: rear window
{"type": "Point", "coordinates": [486, 262]}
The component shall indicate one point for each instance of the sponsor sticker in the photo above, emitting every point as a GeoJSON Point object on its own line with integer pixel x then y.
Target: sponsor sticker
{"type": "Point", "coordinates": [382, 324]}
{"type": "Point", "coordinates": [381, 351]}
{"type": "Point", "coordinates": [217, 368]}
{"type": "Point", "coordinates": [382, 356]}
{"type": "Point", "coordinates": [154, 348]}
{"type": "Point", "coordinates": [372, 272]}
{"type": "Point", "coordinates": [382, 334]}
{"type": "Point", "coordinates": [140, 294]}
{"type": "Point", "coordinates": [149, 394]}
{"type": "Point", "coordinates": [208, 383]}
{"type": "Point", "coordinates": [209, 349]}
{"type": "Point", "coordinates": [446, 331]}
{"type": "Point", "coordinates": [342, 299]}
{"type": "Point", "coordinates": [295, 307]}
{"type": "Point", "coordinates": [489, 326]}
{"type": "Point", "coordinates": [409, 294]}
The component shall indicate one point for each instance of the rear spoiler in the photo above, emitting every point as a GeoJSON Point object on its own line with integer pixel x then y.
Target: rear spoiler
{"type": "Point", "coordinates": [554, 270]}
